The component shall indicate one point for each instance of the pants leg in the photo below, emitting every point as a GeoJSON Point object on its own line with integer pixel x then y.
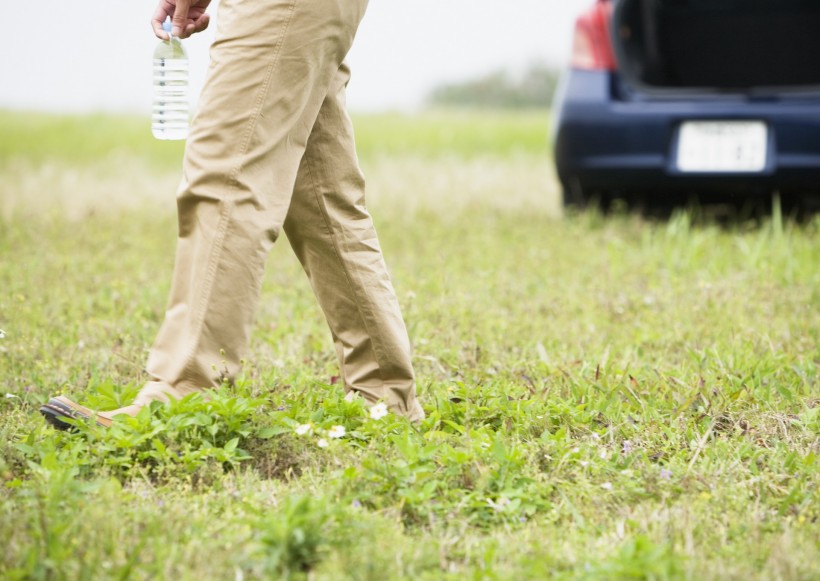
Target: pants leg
{"type": "Point", "coordinates": [332, 234]}
{"type": "Point", "coordinates": [272, 65]}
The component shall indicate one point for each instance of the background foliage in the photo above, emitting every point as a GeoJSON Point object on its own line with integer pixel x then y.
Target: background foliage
{"type": "Point", "coordinates": [533, 88]}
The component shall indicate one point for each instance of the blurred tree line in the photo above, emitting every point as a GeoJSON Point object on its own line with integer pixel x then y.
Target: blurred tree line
{"type": "Point", "coordinates": [500, 89]}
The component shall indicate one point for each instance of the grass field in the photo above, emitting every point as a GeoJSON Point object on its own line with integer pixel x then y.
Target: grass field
{"type": "Point", "coordinates": [607, 397]}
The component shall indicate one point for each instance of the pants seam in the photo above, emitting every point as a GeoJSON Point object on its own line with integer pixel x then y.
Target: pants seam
{"type": "Point", "coordinates": [261, 98]}
{"type": "Point", "coordinates": [227, 206]}
{"type": "Point", "coordinates": [207, 288]}
{"type": "Point", "coordinates": [344, 266]}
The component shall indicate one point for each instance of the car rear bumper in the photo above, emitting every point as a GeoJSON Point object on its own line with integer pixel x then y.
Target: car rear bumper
{"type": "Point", "coordinates": [605, 144]}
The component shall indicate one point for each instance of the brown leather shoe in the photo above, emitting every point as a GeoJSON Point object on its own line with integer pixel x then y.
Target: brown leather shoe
{"type": "Point", "coordinates": [60, 409]}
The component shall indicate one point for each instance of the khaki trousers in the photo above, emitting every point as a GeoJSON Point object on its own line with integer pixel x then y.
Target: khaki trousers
{"type": "Point", "coordinates": [272, 149]}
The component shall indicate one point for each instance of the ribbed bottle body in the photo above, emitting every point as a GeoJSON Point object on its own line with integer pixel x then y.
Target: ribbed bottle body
{"type": "Point", "coordinates": [170, 115]}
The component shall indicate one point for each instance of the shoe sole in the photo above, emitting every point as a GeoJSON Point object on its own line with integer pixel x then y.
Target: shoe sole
{"type": "Point", "coordinates": [56, 413]}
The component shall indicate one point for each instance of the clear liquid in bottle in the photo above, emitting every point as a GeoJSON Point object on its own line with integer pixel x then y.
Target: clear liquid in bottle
{"type": "Point", "coordinates": [170, 115]}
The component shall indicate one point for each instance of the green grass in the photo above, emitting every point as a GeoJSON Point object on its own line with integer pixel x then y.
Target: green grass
{"type": "Point", "coordinates": [43, 137]}
{"type": "Point", "coordinates": [452, 132]}
{"type": "Point", "coordinates": [607, 398]}
{"type": "Point", "coordinates": [40, 137]}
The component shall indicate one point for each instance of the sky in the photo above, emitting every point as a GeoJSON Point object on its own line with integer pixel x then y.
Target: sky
{"type": "Point", "coordinates": [83, 55]}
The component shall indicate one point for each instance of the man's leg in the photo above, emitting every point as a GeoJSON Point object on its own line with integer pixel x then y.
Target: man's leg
{"type": "Point", "coordinates": [272, 64]}
{"type": "Point", "coordinates": [332, 234]}
{"type": "Point", "coordinates": [271, 67]}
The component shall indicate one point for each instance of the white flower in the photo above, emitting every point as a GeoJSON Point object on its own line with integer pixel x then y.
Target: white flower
{"type": "Point", "coordinates": [378, 411]}
{"type": "Point", "coordinates": [336, 432]}
{"type": "Point", "coordinates": [606, 486]}
{"type": "Point", "coordinates": [2, 334]}
{"type": "Point", "coordinates": [10, 395]}
{"type": "Point", "coordinates": [322, 443]}
{"type": "Point", "coordinates": [303, 429]}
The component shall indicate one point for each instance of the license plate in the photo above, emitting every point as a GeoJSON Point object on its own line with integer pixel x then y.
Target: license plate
{"type": "Point", "coordinates": [722, 146]}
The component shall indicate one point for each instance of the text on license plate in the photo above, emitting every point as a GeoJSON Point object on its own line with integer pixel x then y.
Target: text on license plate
{"type": "Point", "coordinates": [722, 146]}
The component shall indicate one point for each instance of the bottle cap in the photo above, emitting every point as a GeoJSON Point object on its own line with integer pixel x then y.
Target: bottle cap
{"type": "Point", "coordinates": [166, 26]}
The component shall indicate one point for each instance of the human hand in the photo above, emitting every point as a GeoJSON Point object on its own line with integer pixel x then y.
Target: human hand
{"type": "Point", "coordinates": [187, 16]}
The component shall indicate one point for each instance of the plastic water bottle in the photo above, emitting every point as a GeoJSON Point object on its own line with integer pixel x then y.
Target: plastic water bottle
{"type": "Point", "coordinates": [169, 119]}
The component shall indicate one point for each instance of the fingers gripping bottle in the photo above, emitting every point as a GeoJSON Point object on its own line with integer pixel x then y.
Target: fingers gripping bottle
{"type": "Point", "coordinates": [169, 119]}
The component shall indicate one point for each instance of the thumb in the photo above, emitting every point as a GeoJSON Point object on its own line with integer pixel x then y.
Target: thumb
{"type": "Point", "coordinates": [180, 18]}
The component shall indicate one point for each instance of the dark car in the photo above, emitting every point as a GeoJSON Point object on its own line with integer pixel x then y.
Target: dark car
{"type": "Point", "coordinates": [668, 98]}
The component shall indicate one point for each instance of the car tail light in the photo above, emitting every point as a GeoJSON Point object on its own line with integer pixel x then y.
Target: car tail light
{"type": "Point", "coordinates": [592, 45]}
